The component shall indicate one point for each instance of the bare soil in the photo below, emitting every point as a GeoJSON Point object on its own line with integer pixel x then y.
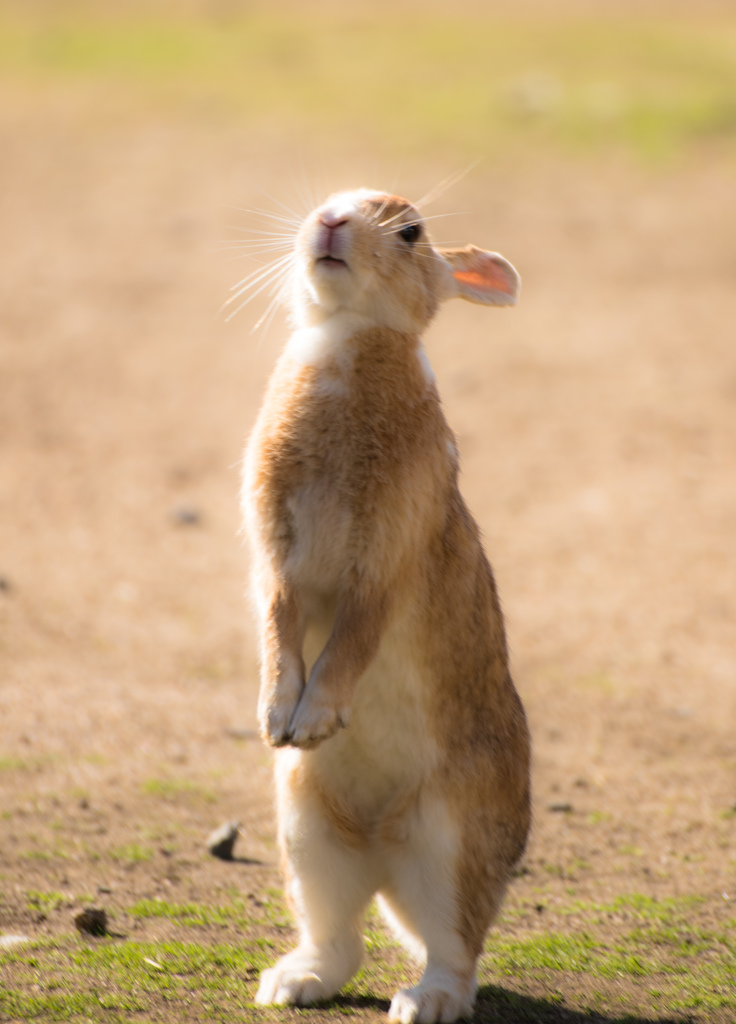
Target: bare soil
{"type": "Point", "coordinates": [597, 425]}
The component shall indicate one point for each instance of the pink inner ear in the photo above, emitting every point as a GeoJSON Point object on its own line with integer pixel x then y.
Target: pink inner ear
{"type": "Point", "coordinates": [486, 281]}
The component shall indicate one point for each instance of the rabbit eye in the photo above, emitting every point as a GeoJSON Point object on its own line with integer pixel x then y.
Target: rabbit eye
{"type": "Point", "coordinates": [410, 233]}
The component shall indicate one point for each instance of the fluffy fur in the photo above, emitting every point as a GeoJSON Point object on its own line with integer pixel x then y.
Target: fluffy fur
{"type": "Point", "coordinates": [402, 761]}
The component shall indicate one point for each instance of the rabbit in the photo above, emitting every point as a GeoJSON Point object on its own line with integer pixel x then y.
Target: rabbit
{"type": "Point", "coordinates": [402, 749]}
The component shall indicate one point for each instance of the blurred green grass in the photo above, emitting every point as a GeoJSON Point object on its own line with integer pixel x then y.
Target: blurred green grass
{"type": "Point", "coordinates": [478, 85]}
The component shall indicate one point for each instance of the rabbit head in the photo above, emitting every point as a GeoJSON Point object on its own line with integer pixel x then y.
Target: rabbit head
{"type": "Point", "coordinates": [369, 254]}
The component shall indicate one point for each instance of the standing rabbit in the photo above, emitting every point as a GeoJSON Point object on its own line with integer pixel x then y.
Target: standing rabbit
{"type": "Point", "coordinates": [402, 760]}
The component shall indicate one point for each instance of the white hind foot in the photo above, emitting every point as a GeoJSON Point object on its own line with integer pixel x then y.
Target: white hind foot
{"type": "Point", "coordinates": [305, 976]}
{"type": "Point", "coordinates": [329, 882]}
{"type": "Point", "coordinates": [441, 996]}
{"type": "Point", "coordinates": [289, 988]}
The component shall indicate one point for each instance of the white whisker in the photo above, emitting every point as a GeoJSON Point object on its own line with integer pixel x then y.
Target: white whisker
{"type": "Point", "coordinates": [448, 182]}
{"type": "Point", "coordinates": [246, 302]}
{"type": "Point", "coordinates": [284, 207]}
{"type": "Point", "coordinates": [266, 244]}
{"type": "Point", "coordinates": [379, 212]}
{"type": "Point", "coordinates": [267, 234]}
{"type": "Point", "coordinates": [254, 212]}
{"type": "Point", "coordinates": [420, 220]}
{"type": "Point", "coordinates": [397, 176]}
{"type": "Point", "coordinates": [273, 264]}
{"type": "Point", "coordinates": [391, 219]}
{"type": "Point", "coordinates": [271, 246]}
{"type": "Point", "coordinates": [257, 257]}
{"type": "Point", "coordinates": [306, 194]}
{"type": "Point", "coordinates": [269, 314]}
{"type": "Point", "coordinates": [253, 251]}
{"type": "Point", "coordinates": [428, 255]}
{"type": "Point", "coordinates": [256, 277]}
{"type": "Point", "coordinates": [437, 216]}
{"type": "Point", "coordinates": [272, 282]}
{"type": "Point", "coordinates": [250, 282]}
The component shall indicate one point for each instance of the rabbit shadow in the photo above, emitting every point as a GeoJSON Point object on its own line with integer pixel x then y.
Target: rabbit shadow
{"type": "Point", "coordinates": [495, 1005]}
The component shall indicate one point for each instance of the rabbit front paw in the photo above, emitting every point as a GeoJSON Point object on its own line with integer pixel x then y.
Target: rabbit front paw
{"type": "Point", "coordinates": [275, 723]}
{"type": "Point", "coordinates": [277, 707]}
{"type": "Point", "coordinates": [316, 718]}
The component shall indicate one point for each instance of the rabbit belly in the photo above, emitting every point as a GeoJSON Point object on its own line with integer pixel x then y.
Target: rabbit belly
{"type": "Point", "coordinates": [377, 766]}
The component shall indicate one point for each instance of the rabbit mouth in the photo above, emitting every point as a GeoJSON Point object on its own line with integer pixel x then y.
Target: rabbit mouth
{"type": "Point", "coordinates": [331, 261]}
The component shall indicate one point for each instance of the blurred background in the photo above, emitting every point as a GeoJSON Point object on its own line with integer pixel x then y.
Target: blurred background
{"type": "Point", "coordinates": [596, 422]}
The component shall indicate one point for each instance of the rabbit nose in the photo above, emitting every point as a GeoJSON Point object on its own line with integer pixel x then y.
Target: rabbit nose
{"type": "Point", "coordinates": [331, 220]}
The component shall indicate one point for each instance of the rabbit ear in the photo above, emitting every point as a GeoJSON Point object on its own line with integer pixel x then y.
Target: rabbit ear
{"type": "Point", "coordinates": [480, 276]}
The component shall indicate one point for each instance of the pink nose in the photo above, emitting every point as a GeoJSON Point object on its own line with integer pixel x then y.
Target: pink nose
{"type": "Point", "coordinates": [330, 220]}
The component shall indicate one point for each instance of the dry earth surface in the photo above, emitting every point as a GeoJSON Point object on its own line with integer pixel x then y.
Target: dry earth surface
{"type": "Point", "coordinates": [597, 425]}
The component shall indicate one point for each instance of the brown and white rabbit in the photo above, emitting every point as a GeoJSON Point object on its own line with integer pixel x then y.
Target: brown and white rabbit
{"type": "Point", "coordinates": [402, 762]}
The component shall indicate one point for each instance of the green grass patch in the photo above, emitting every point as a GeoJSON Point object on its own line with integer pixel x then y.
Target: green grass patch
{"type": "Point", "coordinates": [621, 944]}
{"type": "Point", "coordinates": [632, 958]}
{"type": "Point", "coordinates": [275, 909]}
{"type": "Point", "coordinates": [13, 764]}
{"type": "Point", "coordinates": [24, 764]}
{"type": "Point", "coordinates": [269, 910]}
{"type": "Point", "coordinates": [45, 855]}
{"type": "Point", "coordinates": [598, 817]}
{"type": "Point", "coordinates": [551, 951]}
{"type": "Point", "coordinates": [650, 909]}
{"type": "Point", "coordinates": [45, 902]}
{"type": "Point", "coordinates": [193, 914]}
{"type": "Point", "coordinates": [476, 82]}
{"type": "Point", "coordinates": [108, 980]}
{"type": "Point", "coordinates": [176, 789]}
{"type": "Point", "coordinates": [132, 853]}
{"type": "Point", "coordinates": [153, 966]}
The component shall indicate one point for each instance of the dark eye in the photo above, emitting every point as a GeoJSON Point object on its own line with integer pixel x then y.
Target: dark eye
{"type": "Point", "coordinates": [410, 233]}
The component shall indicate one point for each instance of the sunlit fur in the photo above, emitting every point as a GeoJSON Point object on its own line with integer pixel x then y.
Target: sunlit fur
{"type": "Point", "coordinates": [402, 753]}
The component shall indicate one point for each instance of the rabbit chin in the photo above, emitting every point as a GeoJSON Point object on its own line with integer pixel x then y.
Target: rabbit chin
{"type": "Point", "coordinates": [324, 290]}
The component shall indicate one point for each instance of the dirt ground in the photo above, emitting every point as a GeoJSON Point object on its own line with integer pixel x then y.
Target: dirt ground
{"type": "Point", "coordinates": [597, 426]}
